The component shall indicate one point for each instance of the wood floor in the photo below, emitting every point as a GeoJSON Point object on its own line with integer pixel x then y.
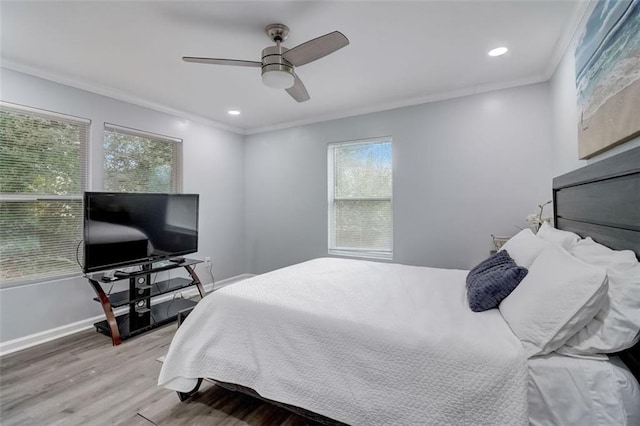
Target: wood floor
{"type": "Point", "coordinates": [82, 380]}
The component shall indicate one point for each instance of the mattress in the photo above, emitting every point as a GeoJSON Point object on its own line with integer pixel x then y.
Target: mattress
{"type": "Point", "coordinates": [580, 391]}
{"type": "Point", "coordinates": [358, 342]}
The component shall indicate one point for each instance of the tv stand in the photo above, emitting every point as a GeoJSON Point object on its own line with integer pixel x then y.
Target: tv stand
{"type": "Point", "coordinates": [143, 315]}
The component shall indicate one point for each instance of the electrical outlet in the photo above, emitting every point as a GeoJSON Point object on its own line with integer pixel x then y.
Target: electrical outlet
{"type": "Point", "coordinates": [207, 261]}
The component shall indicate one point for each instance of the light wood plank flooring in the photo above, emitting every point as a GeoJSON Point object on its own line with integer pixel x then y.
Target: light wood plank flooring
{"type": "Point", "coordinates": [82, 380]}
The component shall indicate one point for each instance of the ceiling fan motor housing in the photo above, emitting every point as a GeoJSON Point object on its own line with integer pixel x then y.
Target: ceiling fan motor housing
{"type": "Point", "coordinates": [272, 61]}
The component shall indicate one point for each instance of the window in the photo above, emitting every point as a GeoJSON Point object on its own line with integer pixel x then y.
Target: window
{"type": "Point", "coordinates": [136, 161]}
{"type": "Point", "coordinates": [43, 160]}
{"type": "Point", "coordinates": [360, 202]}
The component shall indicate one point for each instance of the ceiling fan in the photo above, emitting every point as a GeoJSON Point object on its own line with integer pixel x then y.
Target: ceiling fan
{"type": "Point", "coordinates": [278, 62]}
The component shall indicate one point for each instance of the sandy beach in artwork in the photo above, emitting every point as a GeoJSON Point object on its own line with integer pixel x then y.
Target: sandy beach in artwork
{"type": "Point", "coordinates": [617, 119]}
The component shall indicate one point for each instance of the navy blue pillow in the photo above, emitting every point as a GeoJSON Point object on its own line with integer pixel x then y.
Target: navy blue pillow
{"type": "Point", "coordinates": [492, 280]}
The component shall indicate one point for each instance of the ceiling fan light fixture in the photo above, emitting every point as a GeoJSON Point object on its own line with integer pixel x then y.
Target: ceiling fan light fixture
{"type": "Point", "coordinates": [278, 79]}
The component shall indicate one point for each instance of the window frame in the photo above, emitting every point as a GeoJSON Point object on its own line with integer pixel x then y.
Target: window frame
{"type": "Point", "coordinates": [177, 169]}
{"type": "Point", "coordinates": [84, 162]}
{"type": "Point", "coordinates": [333, 249]}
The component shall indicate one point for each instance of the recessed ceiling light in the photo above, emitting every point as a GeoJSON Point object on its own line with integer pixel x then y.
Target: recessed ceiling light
{"type": "Point", "coordinates": [498, 51]}
{"type": "Point", "coordinates": [233, 112]}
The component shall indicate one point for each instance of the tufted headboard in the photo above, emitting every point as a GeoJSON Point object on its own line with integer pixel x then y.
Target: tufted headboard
{"type": "Point", "coordinates": [602, 201]}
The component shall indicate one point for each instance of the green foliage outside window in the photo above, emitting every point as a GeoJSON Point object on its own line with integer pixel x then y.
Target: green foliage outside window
{"type": "Point", "coordinates": [41, 182]}
{"type": "Point", "coordinates": [139, 164]}
{"type": "Point", "coordinates": [363, 170]}
{"type": "Point", "coordinates": [39, 155]}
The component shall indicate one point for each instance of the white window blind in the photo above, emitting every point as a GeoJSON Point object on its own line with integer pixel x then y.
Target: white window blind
{"type": "Point", "coordinates": [43, 172]}
{"type": "Point", "coordinates": [136, 161]}
{"type": "Point", "coordinates": [360, 199]}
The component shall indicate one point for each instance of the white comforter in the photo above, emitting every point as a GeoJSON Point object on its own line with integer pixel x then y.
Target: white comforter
{"type": "Point", "coordinates": [361, 342]}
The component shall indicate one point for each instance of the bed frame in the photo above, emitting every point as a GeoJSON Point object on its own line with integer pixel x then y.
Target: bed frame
{"type": "Point", "coordinates": [602, 201]}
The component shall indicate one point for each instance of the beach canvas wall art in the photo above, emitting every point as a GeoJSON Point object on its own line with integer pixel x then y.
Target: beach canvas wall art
{"type": "Point", "coordinates": [608, 77]}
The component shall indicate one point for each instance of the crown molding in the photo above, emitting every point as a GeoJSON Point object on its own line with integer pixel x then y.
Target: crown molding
{"type": "Point", "coordinates": [115, 94]}
{"type": "Point", "coordinates": [111, 93]}
{"type": "Point", "coordinates": [473, 90]}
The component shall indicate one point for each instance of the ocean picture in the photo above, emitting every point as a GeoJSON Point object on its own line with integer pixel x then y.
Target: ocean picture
{"type": "Point", "coordinates": [607, 61]}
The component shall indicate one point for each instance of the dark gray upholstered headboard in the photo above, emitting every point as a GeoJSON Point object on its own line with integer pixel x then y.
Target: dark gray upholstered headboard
{"type": "Point", "coordinates": [602, 201]}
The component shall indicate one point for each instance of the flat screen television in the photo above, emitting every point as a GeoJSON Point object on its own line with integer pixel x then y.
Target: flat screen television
{"type": "Point", "coordinates": [122, 229]}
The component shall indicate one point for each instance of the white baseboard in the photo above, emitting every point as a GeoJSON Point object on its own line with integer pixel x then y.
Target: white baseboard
{"type": "Point", "coordinates": [25, 342]}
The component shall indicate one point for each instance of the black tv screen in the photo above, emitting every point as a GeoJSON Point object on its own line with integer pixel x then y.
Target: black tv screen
{"type": "Point", "coordinates": [126, 228]}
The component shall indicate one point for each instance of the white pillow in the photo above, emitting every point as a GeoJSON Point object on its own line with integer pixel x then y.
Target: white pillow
{"type": "Point", "coordinates": [564, 239]}
{"type": "Point", "coordinates": [524, 247]}
{"type": "Point", "coordinates": [617, 325]}
{"type": "Point", "coordinates": [558, 297]}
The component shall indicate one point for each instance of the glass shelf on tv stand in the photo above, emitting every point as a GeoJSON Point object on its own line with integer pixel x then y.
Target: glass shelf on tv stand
{"type": "Point", "coordinates": [122, 298]}
{"type": "Point", "coordinates": [159, 266]}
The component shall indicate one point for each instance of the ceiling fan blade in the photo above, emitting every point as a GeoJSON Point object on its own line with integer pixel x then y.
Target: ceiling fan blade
{"type": "Point", "coordinates": [216, 61]}
{"type": "Point", "coordinates": [316, 48]}
{"type": "Point", "coordinates": [298, 91]}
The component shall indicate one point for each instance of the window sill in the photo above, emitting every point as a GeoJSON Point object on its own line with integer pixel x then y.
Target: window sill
{"type": "Point", "coordinates": [364, 254]}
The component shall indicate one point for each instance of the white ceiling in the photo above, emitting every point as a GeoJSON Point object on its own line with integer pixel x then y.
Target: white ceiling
{"type": "Point", "coordinates": [401, 53]}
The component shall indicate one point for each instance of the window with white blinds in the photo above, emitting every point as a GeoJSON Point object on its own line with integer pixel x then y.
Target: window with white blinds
{"type": "Point", "coordinates": [136, 161]}
{"type": "Point", "coordinates": [43, 172]}
{"type": "Point", "coordinates": [360, 199]}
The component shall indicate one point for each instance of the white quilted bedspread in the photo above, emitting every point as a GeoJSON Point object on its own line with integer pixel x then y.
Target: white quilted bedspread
{"type": "Point", "coordinates": [365, 343]}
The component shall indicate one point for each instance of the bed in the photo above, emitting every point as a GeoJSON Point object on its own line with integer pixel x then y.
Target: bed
{"type": "Point", "coordinates": [307, 333]}
{"type": "Point", "coordinates": [372, 343]}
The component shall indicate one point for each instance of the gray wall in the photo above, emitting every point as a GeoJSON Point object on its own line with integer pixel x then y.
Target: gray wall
{"type": "Point", "coordinates": [463, 169]}
{"type": "Point", "coordinates": [213, 167]}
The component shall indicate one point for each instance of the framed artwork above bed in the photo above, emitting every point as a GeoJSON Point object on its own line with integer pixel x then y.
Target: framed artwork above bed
{"type": "Point", "coordinates": [607, 61]}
